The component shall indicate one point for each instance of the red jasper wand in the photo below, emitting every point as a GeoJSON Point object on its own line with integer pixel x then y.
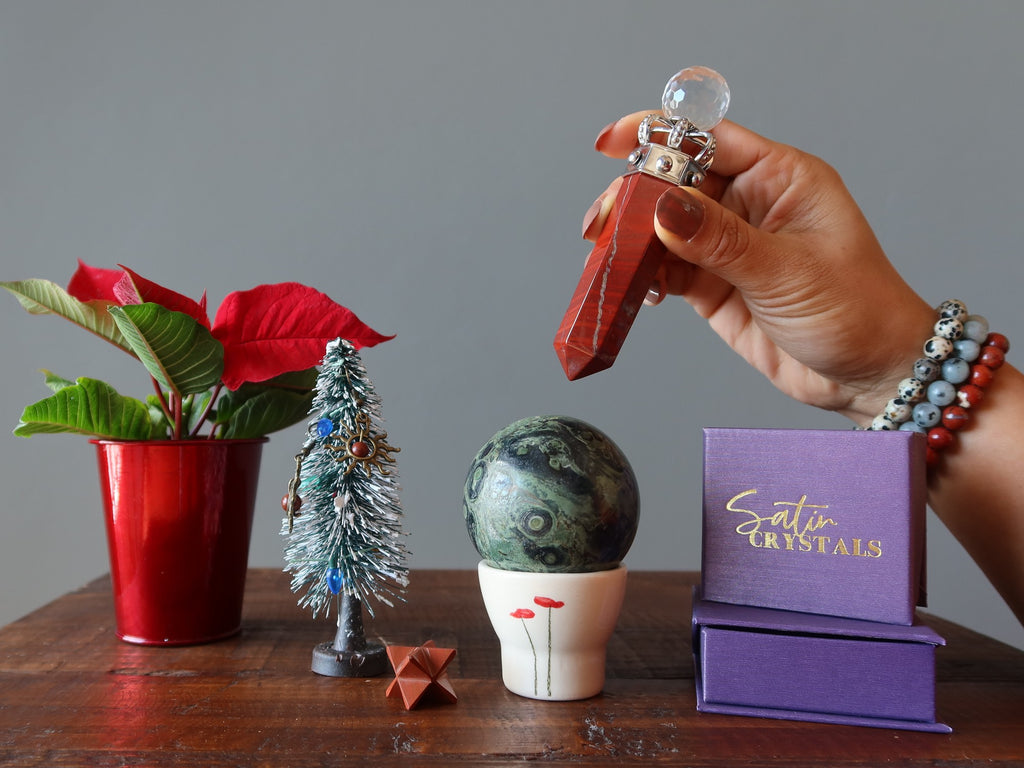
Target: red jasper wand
{"type": "Point", "coordinates": [627, 255]}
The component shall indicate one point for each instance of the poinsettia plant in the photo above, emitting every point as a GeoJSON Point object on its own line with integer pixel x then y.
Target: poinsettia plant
{"type": "Point", "coordinates": [249, 372]}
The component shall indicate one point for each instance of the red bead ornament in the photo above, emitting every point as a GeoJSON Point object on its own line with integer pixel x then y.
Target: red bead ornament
{"type": "Point", "coordinates": [998, 340]}
{"type": "Point", "coordinates": [981, 375]}
{"type": "Point", "coordinates": [940, 438]}
{"type": "Point", "coordinates": [991, 357]}
{"type": "Point", "coordinates": [969, 395]}
{"type": "Point", "coordinates": [359, 449]}
{"type": "Point", "coordinates": [955, 417]}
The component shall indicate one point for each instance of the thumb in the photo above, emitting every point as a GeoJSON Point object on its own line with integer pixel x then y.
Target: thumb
{"type": "Point", "coordinates": [704, 233]}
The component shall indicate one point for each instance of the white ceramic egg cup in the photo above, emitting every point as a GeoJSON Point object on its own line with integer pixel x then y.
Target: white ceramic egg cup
{"type": "Point", "coordinates": [553, 628]}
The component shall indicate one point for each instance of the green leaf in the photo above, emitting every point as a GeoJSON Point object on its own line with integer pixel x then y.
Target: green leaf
{"type": "Point", "coordinates": [257, 413]}
{"type": "Point", "coordinates": [56, 383]}
{"type": "Point", "coordinates": [42, 297]}
{"type": "Point", "coordinates": [89, 407]}
{"type": "Point", "coordinates": [177, 351]}
{"type": "Point", "coordinates": [196, 410]}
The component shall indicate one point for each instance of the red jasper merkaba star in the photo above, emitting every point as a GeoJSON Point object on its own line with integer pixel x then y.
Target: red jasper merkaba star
{"type": "Point", "coordinates": [419, 672]}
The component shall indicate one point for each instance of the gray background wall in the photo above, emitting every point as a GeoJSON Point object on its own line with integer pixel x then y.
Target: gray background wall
{"type": "Point", "coordinates": [428, 164]}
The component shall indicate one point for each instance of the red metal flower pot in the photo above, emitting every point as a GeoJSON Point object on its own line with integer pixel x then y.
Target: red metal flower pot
{"type": "Point", "coordinates": [179, 518]}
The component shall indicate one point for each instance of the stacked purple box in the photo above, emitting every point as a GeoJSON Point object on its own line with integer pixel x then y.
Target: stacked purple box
{"type": "Point", "coordinates": [813, 562]}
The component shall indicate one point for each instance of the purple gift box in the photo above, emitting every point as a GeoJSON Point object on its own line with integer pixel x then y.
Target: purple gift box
{"type": "Point", "coordinates": [819, 521]}
{"type": "Point", "coordinates": [762, 662]}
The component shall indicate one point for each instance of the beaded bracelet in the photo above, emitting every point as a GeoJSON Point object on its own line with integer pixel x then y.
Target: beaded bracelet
{"type": "Point", "coordinates": [959, 362]}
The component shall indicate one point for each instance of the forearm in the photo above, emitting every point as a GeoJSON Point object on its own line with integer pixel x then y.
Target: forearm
{"type": "Point", "coordinates": [977, 487]}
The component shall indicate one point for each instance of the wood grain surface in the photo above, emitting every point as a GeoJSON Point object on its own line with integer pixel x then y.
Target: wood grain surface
{"type": "Point", "coordinates": [71, 694]}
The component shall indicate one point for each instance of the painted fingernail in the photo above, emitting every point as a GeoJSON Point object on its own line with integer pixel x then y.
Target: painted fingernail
{"type": "Point", "coordinates": [680, 213]}
{"type": "Point", "coordinates": [602, 137]}
{"type": "Point", "coordinates": [655, 295]}
{"type": "Point", "coordinates": [591, 216]}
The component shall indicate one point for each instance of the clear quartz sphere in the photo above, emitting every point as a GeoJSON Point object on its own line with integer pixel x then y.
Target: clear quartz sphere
{"type": "Point", "coordinates": [699, 94]}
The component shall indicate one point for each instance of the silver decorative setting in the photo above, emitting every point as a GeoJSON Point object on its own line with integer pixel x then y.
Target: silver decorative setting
{"type": "Point", "coordinates": [683, 159]}
{"type": "Point", "coordinates": [667, 164]}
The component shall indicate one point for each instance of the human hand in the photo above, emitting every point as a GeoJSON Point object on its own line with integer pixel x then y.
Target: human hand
{"type": "Point", "coordinates": [774, 252]}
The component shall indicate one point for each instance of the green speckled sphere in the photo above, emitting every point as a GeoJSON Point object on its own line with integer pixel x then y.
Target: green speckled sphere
{"type": "Point", "coordinates": [551, 494]}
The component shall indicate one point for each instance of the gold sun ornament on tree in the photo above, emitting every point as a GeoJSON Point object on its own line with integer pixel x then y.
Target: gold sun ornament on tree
{"type": "Point", "coordinates": [360, 447]}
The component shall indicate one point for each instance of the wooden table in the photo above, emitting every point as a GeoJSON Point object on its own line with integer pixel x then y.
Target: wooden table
{"type": "Point", "coordinates": [71, 694]}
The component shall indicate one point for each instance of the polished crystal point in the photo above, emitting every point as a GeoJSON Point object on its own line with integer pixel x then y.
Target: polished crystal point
{"type": "Point", "coordinates": [699, 94]}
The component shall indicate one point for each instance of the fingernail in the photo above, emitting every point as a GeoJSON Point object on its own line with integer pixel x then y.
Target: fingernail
{"type": "Point", "coordinates": [654, 295]}
{"type": "Point", "coordinates": [680, 213]}
{"type": "Point", "coordinates": [591, 215]}
{"type": "Point", "coordinates": [602, 137]}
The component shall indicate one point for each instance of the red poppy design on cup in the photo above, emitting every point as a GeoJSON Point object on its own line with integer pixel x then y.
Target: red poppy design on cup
{"type": "Point", "coordinates": [523, 614]}
{"type": "Point", "coordinates": [547, 602]}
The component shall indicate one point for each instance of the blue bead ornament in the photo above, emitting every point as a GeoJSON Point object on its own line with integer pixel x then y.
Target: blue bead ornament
{"type": "Point", "coordinates": [927, 414]}
{"type": "Point", "coordinates": [956, 370]}
{"type": "Point", "coordinates": [324, 427]}
{"type": "Point", "coordinates": [335, 581]}
{"type": "Point", "coordinates": [967, 349]}
{"type": "Point", "coordinates": [912, 426]}
{"type": "Point", "coordinates": [976, 328]}
{"type": "Point", "coordinates": [941, 393]}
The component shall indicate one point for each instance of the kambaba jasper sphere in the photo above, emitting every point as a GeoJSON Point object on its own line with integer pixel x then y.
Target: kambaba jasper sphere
{"type": "Point", "coordinates": [551, 494]}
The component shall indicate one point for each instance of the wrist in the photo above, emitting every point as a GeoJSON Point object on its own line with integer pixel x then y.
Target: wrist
{"type": "Point", "coordinates": [906, 333]}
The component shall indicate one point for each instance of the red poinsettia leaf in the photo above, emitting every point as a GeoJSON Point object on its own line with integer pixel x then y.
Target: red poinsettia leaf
{"type": "Point", "coordinates": [90, 283]}
{"type": "Point", "coordinates": [274, 329]}
{"type": "Point", "coordinates": [133, 288]}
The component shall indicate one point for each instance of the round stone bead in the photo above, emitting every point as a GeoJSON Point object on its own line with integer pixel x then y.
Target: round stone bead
{"type": "Point", "coordinates": [926, 370]}
{"type": "Point", "coordinates": [955, 417]}
{"type": "Point", "coordinates": [927, 414]}
{"type": "Point", "coordinates": [953, 308]}
{"type": "Point", "coordinates": [981, 376]}
{"type": "Point", "coordinates": [998, 340]}
{"type": "Point", "coordinates": [898, 410]}
{"type": "Point", "coordinates": [882, 423]}
{"type": "Point", "coordinates": [912, 426]}
{"type": "Point", "coordinates": [969, 396]}
{"type": "Point", "coordinates": [938, 348]}
{"type": "Point", "coordinates": [699, 94]}
{"type": "Point", "coordinates": [967, 349]}
{"type": "Point", "coordinates": [910, 389]}
{"type": "Point", "coordinates": [976, 327]}
{"type": "Point", "coordinates": [940, 438]}
{"type": "Point", "coordinates": [956, 370]}
{"type": "Point", "coordinates": [949, 328]}
{"type": "Point", "coordinates": [941, 393]}
{"type": "Point", "coordinates": [991, 357]}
